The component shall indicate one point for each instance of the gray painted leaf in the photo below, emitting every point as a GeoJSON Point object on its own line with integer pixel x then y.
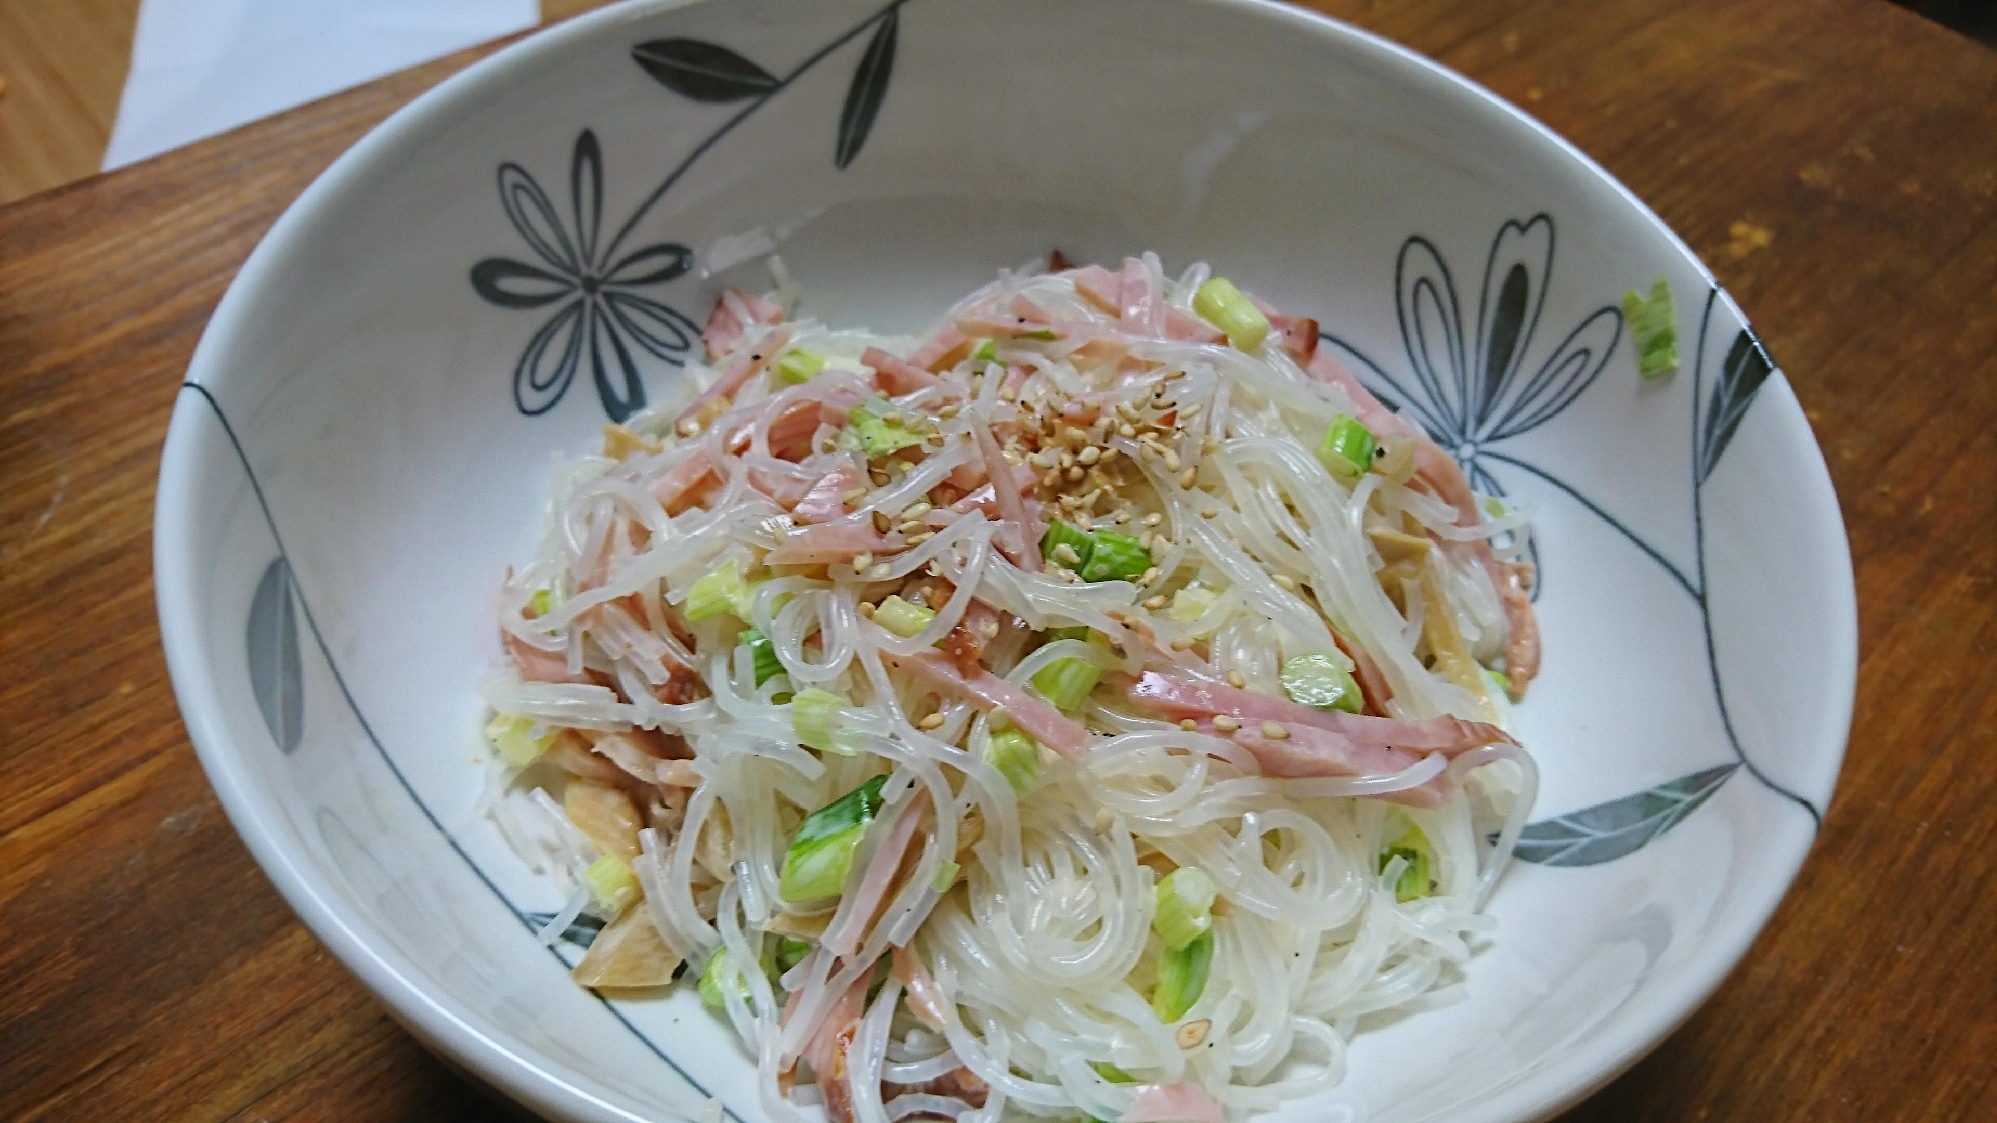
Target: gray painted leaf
{"type": "Point", "coordinates": [1608, 831]}
{"type": "Point", "coordinates": [702, 71]}
{"type": "Point", "coordinates": [270, 642]}
{"type": "Point", "coordinates": [582, 930]}
{"type": "Point", "coordinates": [1746, 368]}
{"type": "Point", "coordinates": [870, 85]}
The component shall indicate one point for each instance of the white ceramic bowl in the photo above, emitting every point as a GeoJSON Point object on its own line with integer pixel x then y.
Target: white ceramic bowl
{"type": "Point", "coordinates": [369, 421]}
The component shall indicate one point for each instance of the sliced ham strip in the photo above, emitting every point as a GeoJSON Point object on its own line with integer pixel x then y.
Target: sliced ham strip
{"type": "Point", "coordinates": [1005, 492]}
{"type": "Point", "coordinates": [1099, 287]}
{"type": "Point", "coordinates": [1032, 715]}
{"type": "Point", "coordinates": [966, 642]}
{"type": "Point", "coordinates": [787, 488]}
{"type": "Point", "coordinates": [944, 350]}
{"type": "Point", "coordinates": [957, 1084]}
{"type": "Point", "coordinates": [872, 892]}
{"type": "Point", "coordinates": [925, 998]}
{"type": "Point", "coordinates": [738, 374]}
{"type": "Point", "coordinates": [1308, 752]}
{"type": "Point", "coordinates": [1142, 310]}
{"type": "Point", "coordinates": [1184, 1102]}
{"type": "Point", "coordinates": [896, 376]}
{"type": "Point", "coordinates": [1373, 684]}
{"type": "Point", "coordinates": [826, 1049]}
{"type": "Point", "coordinates": [1298, 336]}
{"type": "Point", "coordinates": [994, 324]}
{"type": "Point", "coordinates": [681, 485]}
{"type": "Point", "coordinates": [1445, 478]}
{"type": "Point", "coordinates": [537, 665]}
{"type": "Point", "coordinates": [1182, 698]}
{"type": "Point", "coordinates": [833, 542]}
{"type": "Point", "coordinates": [827, 498]}
{"type": "Point", "coordinates": [1183, 325]}
{"type": "Point", "coordinates": [725, 328]}
{"type": "Point", "coordinates": [1027, 310]}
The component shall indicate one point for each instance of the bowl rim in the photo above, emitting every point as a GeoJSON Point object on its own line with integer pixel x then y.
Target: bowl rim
{"type": "Point", "coordinates": [448, 1028]}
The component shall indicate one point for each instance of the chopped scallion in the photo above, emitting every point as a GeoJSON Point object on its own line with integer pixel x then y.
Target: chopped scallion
{"type": "Point", "coordinates": [764, 653]}
{"type": "Point", "coordinates": [1321, 680]}
{"type": "Point", "coordinates": [798, 367]}
{"type": "Point", "coordinates": [1117, 557]}
{"type": "Point", "coordinates": [987, 352]}
{"type": "Point", "coordinates": [902, 618]}
{"type": "Point", "coordinates": [1017, 758]}
{"type": "Point", "coordinates": [1347, 448]}
{"type": "Point", "coordinates": [877, 428]}
{"type": "Point", "coordinates": [818, 716]}
{"type": "Point", "coordinates": [516, 739]}
{"type": "Point", "coordinates": [821, 853]}
{"type": "Point", "coordinates": [790, 953]}
{"type": "Point", "coordinates": [1182, 975]}
{"type": "Point", "coordinates": [611, 883]}
{"type": "Point", "coordinates": [717, 974]}
{"type": "Point", "coordinates": [1080, 543]}
{"type": "Point", "coordinates": [1066, 683]}
{"type": "Point", "coordinates": [1184, 907]}
{"type": "Point", "coordinates": [1191, 603]}
{"type": "Point", "coordinates": [1224, 307]}
{"type": "Point", "coordinates": [1653, 325]}
{"type": "Point", "coordinates": [716, 593]}
{"type": "Point", "coordinates": [946, 876]}
{"type": "Point", "coordinates": [1416, 880]}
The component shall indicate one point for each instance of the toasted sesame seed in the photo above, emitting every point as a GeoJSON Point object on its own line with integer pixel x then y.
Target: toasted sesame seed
{"type": "Point", "coordinates": [1225, 723]}
{"type": "Point", "coordinates": [880, 478]}
{"type": "Point", "coordinates": [689, 427]}
{"type": "Point", "coordinates": [1153, 519]}
{"type": "Point", "coordinates": [1183, 643]}
{"type": "Point", "coordinates": [853, 496]}
{"type": "Point", "coordinates": [866, 610]}
{"type": "Point", "coordinates": [1172, 375]}
{"type": "Point", "coordinates": [948, 411]}
{"type": "Point", "coordinates": [1154, 603]}
{"type": "Point", "coordinates": [1075, 474]}
{"type": "Point", "coordinates": [1171, 461]}
{"type": "Point", "coordinates": [1052, 478]}
{"type": "Point", "coordinates": [1190, 412]}
{"type": "Point", "coordinates": [911, 526]}
{"type": "Point", "coordinates": [1066, 555]}
{"type": "Point", "coordinates": [915, 510]}
{"type": "Point", "coordinates": [1109, 454]}
{"type": "Point", "coordinates": [1045, 458]}
{"type": "Point", "coordinates": [1189, 477]}
{"type": "Point", "coordinates": [882, 522]}
{"type": "Point", "coordinates": [1284, 581]}
{"type": "Point", "coordinates": [862, 560]}
{"type": "Point", "coordinates": [1089, 455]}
{"type": "Point", "coordinates": [892, 417]}
{"type": "Point", "coordinates": [1067, 460]}
{"type": "Point", "coordinates": [1188, 724]}
{"type": "Point", "coordinates": [919, 539]}
{"type": "Point", "coordinates": [1193, 1034]}
{"type": "Point", "coordinates": [1274, 731]}
{"type": "Point", "coordinates": [933, 721]}
{"type": "Point", "coordinates": [1236, 680]}
{"type": "Point", "coordinates": [1126, 430]}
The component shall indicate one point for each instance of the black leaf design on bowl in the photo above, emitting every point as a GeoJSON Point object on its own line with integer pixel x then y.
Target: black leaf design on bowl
{"type": "Point", "coordinates": [869, 87]}
{"type": "Point", "coordinates": [270, 643]}
{"type": "Point", "coordinates": [1608, 831]}
{"type": "Point", "coordinates": [1746, 367]}
{"type": "Point", "coordinates": [703, 71]}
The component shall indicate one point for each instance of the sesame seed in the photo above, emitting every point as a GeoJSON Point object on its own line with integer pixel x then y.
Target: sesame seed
{"type": "Point", "coordinates": [1153, 519]}
{"type": "Point", "coordinates": [1189, 477]}
{"type": "Point", "coordinates": [919, 539]}
{"type": "Point", "coordinates": [1190, 412]}
{"type": "Point", "coordinates": [1193, 1034]}
{"type": "Point", "coordinates": [1236, 679]}
{"type": "Point", "coordinates": [880, 478]}
{"type": "Point", "coordinates": [1075, 474]}
{"type": "Point", "coordinates": [1126, 430]}
{"type": "Point", "coordinates": [1150, 575]}
{"type": "Point", "coordinates": [1067, 460]}
{"type": "Point", "coordinates": [1183, 643]}
{"type": "Point", "coordinates": [689, 427]}
{"type": "Point", "coordinates": [1188, 724]}
{"type": "Point", "coordinates": [1109, 454]}
{"type": "Point", "coordinates": [1066, 555]}
{"type": "Point", "coordinates": [866, 610]}
{"type": "Point", "coordinates": [1172, 375]}
{"type": "Point", "coordinates": [1274, 731]}
{"type": "Point", "coordinates": [1154, 603]}
{"type": "Point", "coordinates": [933, 721]}
{"type": "Point", "coordinates": [853, 496]}
{"type": "Point", "coordinates": [882, 523]}
{"type": "Point", "coordinates": [914, 511]}
{"type": "Point", "coordinates": [1285, 582]}
{"type": "Point", "coordinates": [1225, 723]}
{"type": "Point", "coordinates": [1089, 455]}
{"type": "Point", "coordinates": [862, 560]}
{"type": "Point", "coordinates": [1052, 478]}
{"type": "Point", "coordinates": [911, 526]}
{"type": "Point", "coordinates": [1171, 461]}
{"type": "Point", "coordinates": [947, 412]}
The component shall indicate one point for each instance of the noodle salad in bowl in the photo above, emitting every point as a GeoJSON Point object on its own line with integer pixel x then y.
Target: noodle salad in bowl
{"type": "Point", "coordinates": [1095, 707]}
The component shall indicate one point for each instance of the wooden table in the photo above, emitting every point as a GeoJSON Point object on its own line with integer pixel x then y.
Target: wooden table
{"type": "Point", "coordinates": [1835, 161]}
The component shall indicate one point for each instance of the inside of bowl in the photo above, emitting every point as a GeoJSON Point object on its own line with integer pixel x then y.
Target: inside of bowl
{"type": "Point", "coordinates": [376, 426]}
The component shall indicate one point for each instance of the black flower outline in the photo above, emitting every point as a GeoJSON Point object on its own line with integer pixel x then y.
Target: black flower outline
{"type": "Point", "coordinates": [601, 311]}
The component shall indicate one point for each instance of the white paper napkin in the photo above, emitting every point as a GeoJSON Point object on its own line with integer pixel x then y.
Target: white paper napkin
{"type": "Point", "coordinates": [201, 67]}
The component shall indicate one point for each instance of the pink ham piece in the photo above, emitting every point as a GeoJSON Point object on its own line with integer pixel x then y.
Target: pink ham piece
{"type": "Point", "coordinates": [1183, 325]}
{"type": "Point", "coordinates": [833, 542]}
{"type": "Point", "coordinates": [1030, 714]}
{"type": "Point", "coordinates": [1445, 478]}
{"type": "Point", "coordinates": [1006, 487]}
{"type": "Point", "coordinates": [866, 900]}
{"type": "Point", "coordinates": [1298, 336]}
{"type": "Point", "coordinates": [725, 328]}
{"type": "Point", "coordinates": [1099, 287]}
{"type": "Point", "coordinates": [1186, 698]}
{"type": "Point", "coordinates": [1372, 684]}
{"type": "Point", "coordinates": [896, 376]}
{"type": "Point", "coordinates": [536, 664]}
{"type": "Point", "coordinates": [787, 488]}
{"type": "Point", "coordinates": [944, 350]}
{"type": "Point", "coordinates": [991, 323]}
{"type": "Point", "coordinates": [925, 998]}
{"type": "Point", "coordinates": [1308, 751]}
{"type": "Point", "coordinates": [1030, 312]}
{"type": "Point", "coordinates": [826, 1049]}
{"type": "Point", "coordinates": [1184, 1102]}
{"type": "Point", "coordinates": [827, 498]}
{"type": "Point", "coordinates": [681, 485]}
{"type": "Point", "coordinates": [739, 372]}
{"type": "Point", "coordinates": [789, 434]}
{"type": "Point", "coordinates": [1142, 313]}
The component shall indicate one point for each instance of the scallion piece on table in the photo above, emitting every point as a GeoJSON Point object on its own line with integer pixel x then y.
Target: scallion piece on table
{"type": "Point", "coordinates": [1653, 325]}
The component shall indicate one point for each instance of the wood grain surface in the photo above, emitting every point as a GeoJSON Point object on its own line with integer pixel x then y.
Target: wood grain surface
{"type": "Point", "coordinates": [1835, 161]}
